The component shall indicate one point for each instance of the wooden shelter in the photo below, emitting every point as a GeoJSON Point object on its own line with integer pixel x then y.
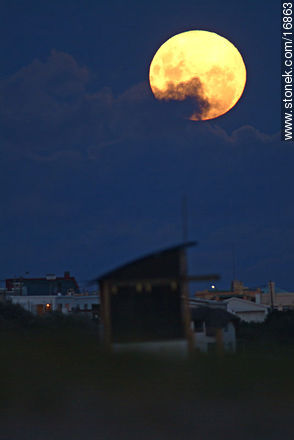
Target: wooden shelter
{"type": "Point", "coordinates": [146, 300]}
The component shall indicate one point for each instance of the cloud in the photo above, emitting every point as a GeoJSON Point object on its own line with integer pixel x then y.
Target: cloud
{"type": "Point", "coordinates": [40, 90]}
{"type": "Point", "coordinates": [39, 103]}
{"type": "Point", "coordinates": [247, 134]}
{"type": "Point", "coordinates": [190, 91]}
{"type": "Point", "coordinates": [49, 107]}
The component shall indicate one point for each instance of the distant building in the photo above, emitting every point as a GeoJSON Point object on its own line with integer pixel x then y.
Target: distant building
{"type": "Point", "coordinates": [214, 329]}
{"type": "Point", "coordinates": [50, 285]}
{"type": "Point", "coordinates": [51, 293]}
{"type": "Point", "coordinates": [269, 295]}
{"type": "Point", "coordinates": [84, 304]}
{"type": "Point", "coordinates": [276, 297]}
{"type": "Point", "coordinates": [247, 311]}
{"type": "Point", "coordinates": [237, 290]}
{"type": "Point", "coordinates": [211, 303]}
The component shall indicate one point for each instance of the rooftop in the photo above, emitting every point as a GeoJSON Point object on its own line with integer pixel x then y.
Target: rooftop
{"type": "Point", "coordinates": [159, 264]}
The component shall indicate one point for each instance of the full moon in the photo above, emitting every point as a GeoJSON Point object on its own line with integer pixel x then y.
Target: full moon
{"type": "Point", "coordinates": [201, 67]}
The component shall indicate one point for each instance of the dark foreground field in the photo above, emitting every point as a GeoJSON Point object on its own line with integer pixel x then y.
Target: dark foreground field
{"type": "Point", "coordinates": [56, 383]}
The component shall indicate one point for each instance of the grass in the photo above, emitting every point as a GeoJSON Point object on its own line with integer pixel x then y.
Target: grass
{"type": "Point", "coordinates": [56, 382]}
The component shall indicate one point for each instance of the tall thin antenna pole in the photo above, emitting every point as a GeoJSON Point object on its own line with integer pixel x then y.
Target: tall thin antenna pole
{"type": "Point", "coordinates": [271, 294]}
{"type": "Point", "coordinates": [184, 219]}
{"type": "Point", "coordinates": [234, 256]}
{"type": "Point", "coordinates": [234, 262]}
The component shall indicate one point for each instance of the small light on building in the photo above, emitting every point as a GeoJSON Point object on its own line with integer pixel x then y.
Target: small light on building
{"type": "Point", "coordinates": [48, 306]}
{"type": "Point", "coordinates": [212, 286]}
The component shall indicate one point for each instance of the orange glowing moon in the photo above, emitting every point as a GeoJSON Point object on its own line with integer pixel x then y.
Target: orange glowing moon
{"type": "Point", "coordinates": [200, 66]}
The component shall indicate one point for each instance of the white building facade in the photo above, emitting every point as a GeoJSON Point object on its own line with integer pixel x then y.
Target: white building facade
{"type": "Point", "coordinates": [247, 311]}
{"type": "Point", "coordinates": [40, 304]}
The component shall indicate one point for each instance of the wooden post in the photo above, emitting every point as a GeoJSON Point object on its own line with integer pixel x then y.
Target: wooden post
{"type": "Point", "coordinates": [105, 313]}
{"type": "Point", "coordinates": [219, 342]}
{"type": "Point", "coordinates": [185, 302]}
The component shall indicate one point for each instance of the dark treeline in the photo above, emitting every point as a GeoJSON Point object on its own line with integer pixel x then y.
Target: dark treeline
{"type": "Point", "coordinates": [277, 330]}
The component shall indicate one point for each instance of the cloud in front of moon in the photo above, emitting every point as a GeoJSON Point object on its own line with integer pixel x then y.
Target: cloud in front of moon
{"type": "Point", "coordinates": [202, 67]}
{"type": "Point", "coordinates": [191, 89]}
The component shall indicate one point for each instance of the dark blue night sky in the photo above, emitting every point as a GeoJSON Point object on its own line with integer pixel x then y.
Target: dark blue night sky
{"type": "Point", "coordinates": [93, 168]}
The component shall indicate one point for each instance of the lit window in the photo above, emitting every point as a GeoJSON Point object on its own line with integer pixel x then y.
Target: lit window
{"type": "Point", "coordinates": [174, 285]}
{"type": "Point", "coordinates": [148, 287]}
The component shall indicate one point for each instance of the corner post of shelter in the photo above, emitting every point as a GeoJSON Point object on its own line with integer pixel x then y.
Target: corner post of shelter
{"type": "Point", "coordinates": [219, 342]}
{"type": "Point", "coordinates": [185, 301]}
{"type": "Point", "coordinates": [106, 313]}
